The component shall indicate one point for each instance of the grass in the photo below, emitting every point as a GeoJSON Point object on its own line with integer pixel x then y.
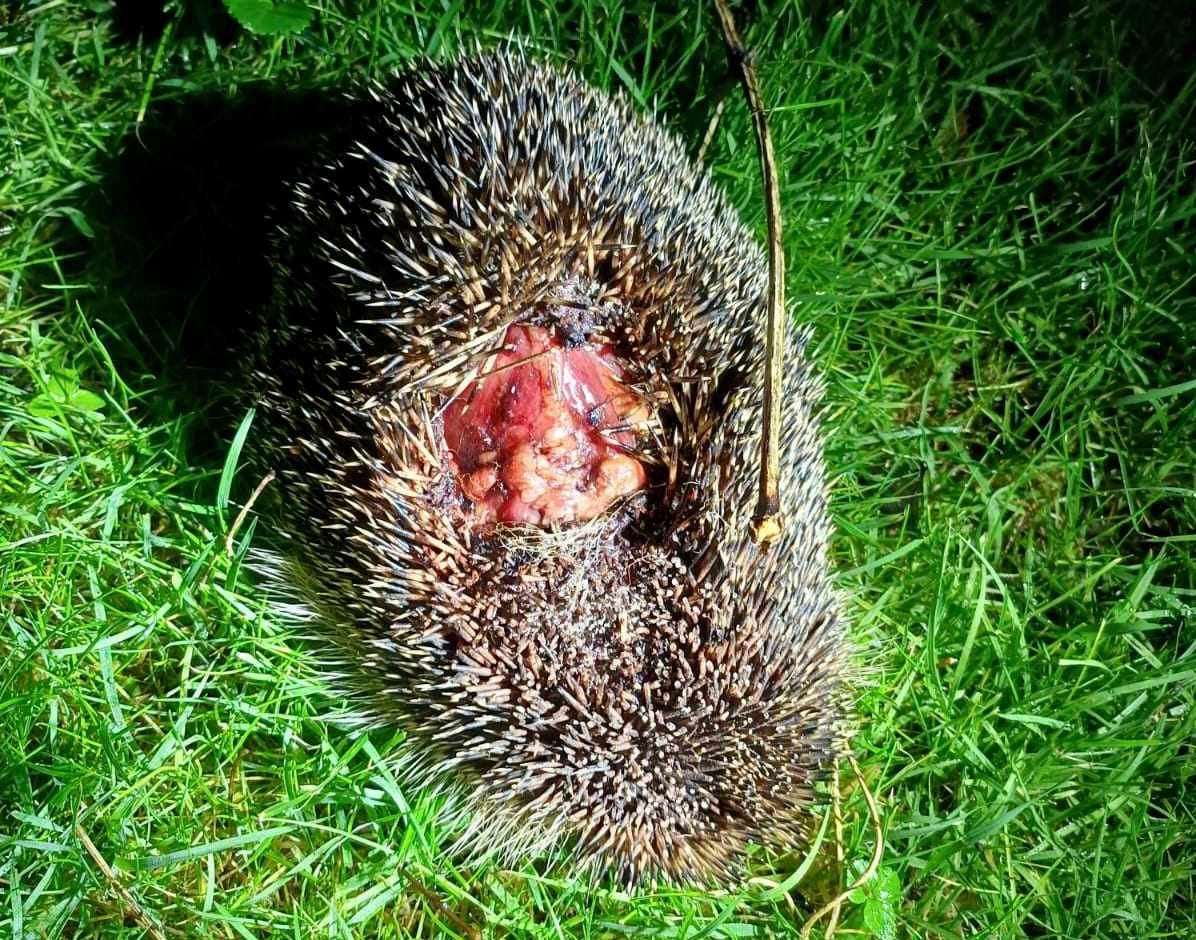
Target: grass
{"type": "Point", "coordinates": [991, 225]}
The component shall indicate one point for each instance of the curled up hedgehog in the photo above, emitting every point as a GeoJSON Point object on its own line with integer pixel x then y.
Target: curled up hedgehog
{"type": "Point", "coordinates": [510, 383]}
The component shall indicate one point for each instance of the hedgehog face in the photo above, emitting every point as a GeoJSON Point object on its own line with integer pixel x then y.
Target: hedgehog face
{"type": "Point", "coordinates": [510, 385]}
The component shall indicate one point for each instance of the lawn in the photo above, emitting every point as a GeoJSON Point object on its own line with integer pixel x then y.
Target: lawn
{"type": "Point", "coordinates": [990, 223]}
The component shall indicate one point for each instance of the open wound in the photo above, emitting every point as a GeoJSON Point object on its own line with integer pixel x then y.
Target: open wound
{"type": "Point", "coordinates": [547, 433]}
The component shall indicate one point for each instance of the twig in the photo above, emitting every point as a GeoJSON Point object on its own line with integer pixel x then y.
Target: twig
{"type": "Point", "coordinates": [136, 910]}
{"type": "Point", "coordinates": [468, 930]}
{"type": "Point", "coordinates": [878, 852]}
{"type": "Point", "coordinates": [257, 491]}
{"type": "Point", "coordinates": [837, 813]}
{"type": "Point", "coordinates": [711, 128]}
{"type": "Point", "coordinates": [767, 522]}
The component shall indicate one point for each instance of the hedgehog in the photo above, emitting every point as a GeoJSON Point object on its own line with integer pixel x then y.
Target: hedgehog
{"type": "Point", "coordinates": [509, 380]}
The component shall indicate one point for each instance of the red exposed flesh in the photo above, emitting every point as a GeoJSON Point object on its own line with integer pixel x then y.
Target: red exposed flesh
{"type": "Point", "coordinates": [542, 438]}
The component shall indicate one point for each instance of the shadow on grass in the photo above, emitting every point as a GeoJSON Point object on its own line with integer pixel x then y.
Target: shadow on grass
{"type": "Point", "coordinates": [180, 257]}
{"type": "Point", "coordinates": [146, 20]}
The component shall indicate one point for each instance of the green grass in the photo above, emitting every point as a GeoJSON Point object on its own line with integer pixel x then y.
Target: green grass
{"type": "Point", "coordinates": [991, 225]}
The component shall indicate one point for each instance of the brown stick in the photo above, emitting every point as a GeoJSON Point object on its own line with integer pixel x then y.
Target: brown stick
{"type": "Point", "coordinates": [837, 809]}
{"type": "Point", "coordinates": [878, 851]}
{"type": "Point", "coordinates": [712, 128]}
{"type": "Point", "coordinates": [468, 930]}
{"type": "Point", "coordinates": [257, 491]}
{"type": "Point", "coordinates": [767, 522]}
{"type": "Point", "coordinates": [130, 903]}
